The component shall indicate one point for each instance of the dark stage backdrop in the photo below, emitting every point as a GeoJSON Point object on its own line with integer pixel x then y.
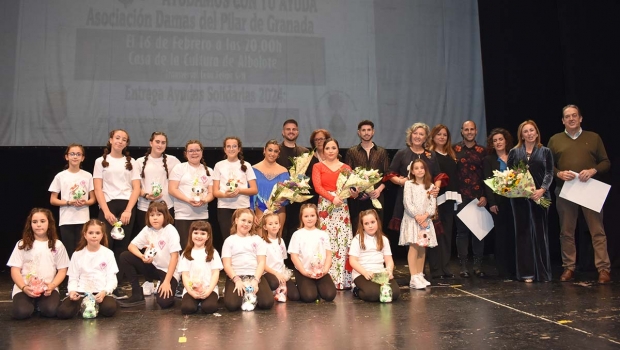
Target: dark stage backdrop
{"type": "Point", "coordinates": [536, 58]}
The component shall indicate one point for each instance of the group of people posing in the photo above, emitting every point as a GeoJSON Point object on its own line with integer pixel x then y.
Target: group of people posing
{"type": "Point", "coordinates": [161, 206]}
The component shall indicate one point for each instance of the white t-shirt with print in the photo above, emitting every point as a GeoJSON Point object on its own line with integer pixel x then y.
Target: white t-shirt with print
{"type": "Point", "coordinates": [155, 172]}
{"type": "Point", "coordinates": [188, 177]}
{"type": "Point", "coordinates": [200, 269]}
{"type": "Point", "coordinates": [165, 240]}
{"type": "Point", "coordinates": [92, 271]}
{"type": "Point", "coordinates": [230, 173]}
{"type": "Point", "coordinates": [276, 254]}
{"type": "Point", "coordinates": [243, 253]}
{"type": "Point", "coordinates": [116, 179]}
{"type": "Point", "coordinates": [70, 186]}
{"type": "Point", "coordinates": [370, 258]}
{"type": "Point", "coordinates": [309, 244]}
{"type": "Point", "coordinates": [40, 260]}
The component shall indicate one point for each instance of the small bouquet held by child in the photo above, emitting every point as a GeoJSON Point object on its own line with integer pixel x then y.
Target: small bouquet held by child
{"type": "Point", "coordinates": [117, 231]}
{"type": "Point", "coordinates": [249, 297]}
{"type": "Point", "coordinates": [89, 307]}
{"type": "Point", "coordinates": [280, 293]}
{"type": "Point", "coordinates": [515, 183]}
{"type": "Point", "coordinates": [382, 278]}
{"type": "Point", "coordinates": [36, 284]}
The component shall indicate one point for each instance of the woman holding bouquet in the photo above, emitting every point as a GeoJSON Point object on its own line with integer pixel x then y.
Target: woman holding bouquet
{"type": "Point", "coordinates": [268, 173]}
{"type": "Point", "coordinates": [532, 242]}
{"type": "Point", "coordinates": [498, 144]}
{"type": "Point", "coordinates": [155, 168]}
{"type": "Point", "coordinates": [334, 212]}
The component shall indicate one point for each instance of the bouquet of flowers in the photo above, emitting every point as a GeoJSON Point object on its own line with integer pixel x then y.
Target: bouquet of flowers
{"type": "Point", "coordinates": [383, 279]}
{"type": "Point", "coordinates": [515, 183]}
{"type": "Point", "coordinates": [77, 190]}
{"type": "Point", "coordinates": [280, 293]}
{"type": "Point", "coordinates": [300, 164]}
{"type": "Point", "coordinates": [196, 281]}
{"type": "Point", "coordinates": [316, 265]}
{"type": "Point", "coordinates": [359, 179]}
{"type": "Point", "coordinates": [156, 189]}
{"type": "Point", "coordinates": [370, 177]}
{"type": "Point", "coordinates": [249, 297]}
{"type": "Point", "coordinates": [89, 307]}
{"type": "Point", "coordinates": [292, 190]}
{"type": "Point", "coordinates": [37, 285]}
{"type": "Point", "coordinates": [117, 231]}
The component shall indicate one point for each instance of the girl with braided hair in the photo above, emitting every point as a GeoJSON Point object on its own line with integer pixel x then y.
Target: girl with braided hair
{"type": "Point", "coordinates": [155, 169]}
{"type": "Point", "coordinates": [234, 182]}
{"type": "Point", "coordinates": [191, 185]}
{"type": "Point", "coordinates": [117, 186]}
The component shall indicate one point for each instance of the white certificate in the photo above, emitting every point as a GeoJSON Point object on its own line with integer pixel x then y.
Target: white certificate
{"type": "Point", "coordinates": [477, 219]}
{"type": "Point", "coordinates": [590, 194]}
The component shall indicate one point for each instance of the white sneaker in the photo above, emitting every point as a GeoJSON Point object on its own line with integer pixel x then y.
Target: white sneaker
{"type": "Point", "coordinates": [415, 283]}
{"type": "Point", "coordinates": [148, 288]}
{"type": "Point", "coordinates": [423, 280]}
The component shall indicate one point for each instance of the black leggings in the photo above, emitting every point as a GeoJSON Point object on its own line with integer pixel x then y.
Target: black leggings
{"type": "Point", "coordinates": [292, 293]}
{"type": "Point", "coordinates": [132, 266]}
{"type": "Point", "coordinates": [189, 305]}
{"type": "Point", "coordinates": [70, 236]}
{"type": "Point", "coordinates": [224, 218]}
{"type": "Point", "coordinates": [370, 291]}
{"type": "Point", "coordinates": [69, 308]}
{"type": "Point", "coordinates": [310, 289]}
{"type": "Point", "coordinates": [23, 305]}
{"type": "Point", "coordinates": [233, 301]}
{"type": "Point", "coordinates": [117, 207]}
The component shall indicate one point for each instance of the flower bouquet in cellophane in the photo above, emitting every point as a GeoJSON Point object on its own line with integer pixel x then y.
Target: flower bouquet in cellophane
{"type": "Point", "coordinates": [280, 293]}
{"type": "Point", "coordinates": [294, 190]}
{"type": "Point", "coordinates": [359, 179]}
{"type": "Point", "coordinates": [317, 263]}
{"type": "Point", "coordinates": [156, 189]}
{"type": "Point", "coordinates": [382, 278]}
{"type": "Point", "coordinates": [36, 284]}
{"type": "Point", "coordinates": [77, 191]}
{"type": "Point", "coordinates": [515, 183]}
{"type": "Point", "coordinates": [368, 179]}
{"type": "Point", "coordinates": [196, 278]}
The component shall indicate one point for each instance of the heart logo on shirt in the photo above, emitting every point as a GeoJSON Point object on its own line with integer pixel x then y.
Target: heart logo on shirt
{"type": "Point", "coordinates": [254, 247]}
{"type": "Point", "coordinates": [103, 265]}
{"type": "Point", "coordinates": [162, 244]}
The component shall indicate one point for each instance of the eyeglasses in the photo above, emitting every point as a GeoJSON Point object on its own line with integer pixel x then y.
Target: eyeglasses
{"type": "Point", "coordinates": [194, 150]}
{"type": "Point", "coordinates": [232, 146]}
{"type": "Point", "coordinates": [319, 139]}
{"type": "Point", "coordinates": [74, 154]}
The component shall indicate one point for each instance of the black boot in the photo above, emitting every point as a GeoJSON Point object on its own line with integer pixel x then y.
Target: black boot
{"type": "Point", "coordinates": [136, 298]}
{"type": "Point", "coordinates": [464, 273]}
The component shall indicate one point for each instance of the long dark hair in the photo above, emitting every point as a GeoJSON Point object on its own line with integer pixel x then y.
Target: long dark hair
{"type": "Point", "coordinates": [92, 222]}
{"type": "Point", "coordinates": [108, 148]}
{"type": "Point", "coordinates": [360, 229]}
{"type": "Point", "coordinates": [28, 234]}
{"type": "Point", "coordinates": [199, 225]}
{"type": "Point", "coordinates": [148, 152]}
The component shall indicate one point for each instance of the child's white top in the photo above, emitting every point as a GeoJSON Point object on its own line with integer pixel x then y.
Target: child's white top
{"type": "Point", "coordinates": [243, 253]}
{"type": "Point", "coordinates": [230, 173]}
{"type": "Point", "coordinates": [188, 177]}
{"type": "Point", "coordinates": [165, 240]}
{"type": "Point", "coordinates": [116, 179]}
{"type": "Point", "coordinates": [276, 254]}
{"type": "Point", "coordinates": [155, 172]}
{"type": "Point", "coordinates": [370, 258]}
{"type": "Point", "coordinates": [70, 185]}
{"type": "Point", "coordinates": [39, 260]}
{"type": "Point", "coordinates": [92, 271]}
{"type": "Point", "coordinates": [199, 269]}
{"type": "Point", "coordinates": [309, 244]}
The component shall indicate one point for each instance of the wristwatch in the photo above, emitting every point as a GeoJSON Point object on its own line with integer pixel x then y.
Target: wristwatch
{"type": "Point", "coordinates": [145, 194]}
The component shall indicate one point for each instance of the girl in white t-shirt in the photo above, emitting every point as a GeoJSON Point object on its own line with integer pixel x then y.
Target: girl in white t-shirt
{"type": "Point", "coordinates": [117, 186]}
{"type": "Point", "coordinates": [92, 270]}
{"type": "Point", "coordinates": [244, 256]}
{"type": "Point", "coordinates": [311, 253]}
{"type": "Point", "coordinates": [155, 168]}
{"type": "Point", "coordinates": [234, 182]}
{"type": "Point", "coordinates": [160, 241]}
{"type": "Point", "coordinates": [276, 254]}
{"type": "Point", "coordinates": [191, 185]}
{"type": "Point", "coordinates": [370, 252]}
{"type": "Point", "coordinates": [200, 267]}
{"type": "Point", "coordinates": [38, 264]}
{"type": "Point", "coordinates": [73, 191]}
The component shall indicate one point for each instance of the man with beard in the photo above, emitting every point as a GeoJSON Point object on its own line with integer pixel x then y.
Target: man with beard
{"type": "Point", "coordinates": [368, 156]}
{"type": "Point", "coordinates": [469, 159]}
{"type": "Point", "coordinates": [288, 150]}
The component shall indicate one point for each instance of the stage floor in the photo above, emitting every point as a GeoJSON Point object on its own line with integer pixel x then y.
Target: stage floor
{"type": "Point", "coordinates": [460, 313]}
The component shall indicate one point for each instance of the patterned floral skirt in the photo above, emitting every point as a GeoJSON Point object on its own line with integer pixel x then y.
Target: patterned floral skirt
{"type": "Point", "coordinates": [338, 227]}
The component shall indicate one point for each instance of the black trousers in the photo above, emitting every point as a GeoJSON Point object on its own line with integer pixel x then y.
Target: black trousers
{"type": "Point", "coordinates": [69, 308]}
{"type": "Point", "coordinates": [371, 291]}
{"type": "Point", "coordinates": [189, 305]}
{"type": "Point", "coordinates": [439, 257]}
{"type": "Point", "coordinates": [132, 267]}
{"type": "Point", "coordinates": [23, 305]}
{"type": "Point", "coordinates": [117, 207]}
{"type": "Point", "coordinates": [233, 301]}
{"type": "Point", "coordinates": [70, 236]}
{"type": "Point", "coordinates": [311, 289]}
{"type": "Point", "coordinates": [292, 293]}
